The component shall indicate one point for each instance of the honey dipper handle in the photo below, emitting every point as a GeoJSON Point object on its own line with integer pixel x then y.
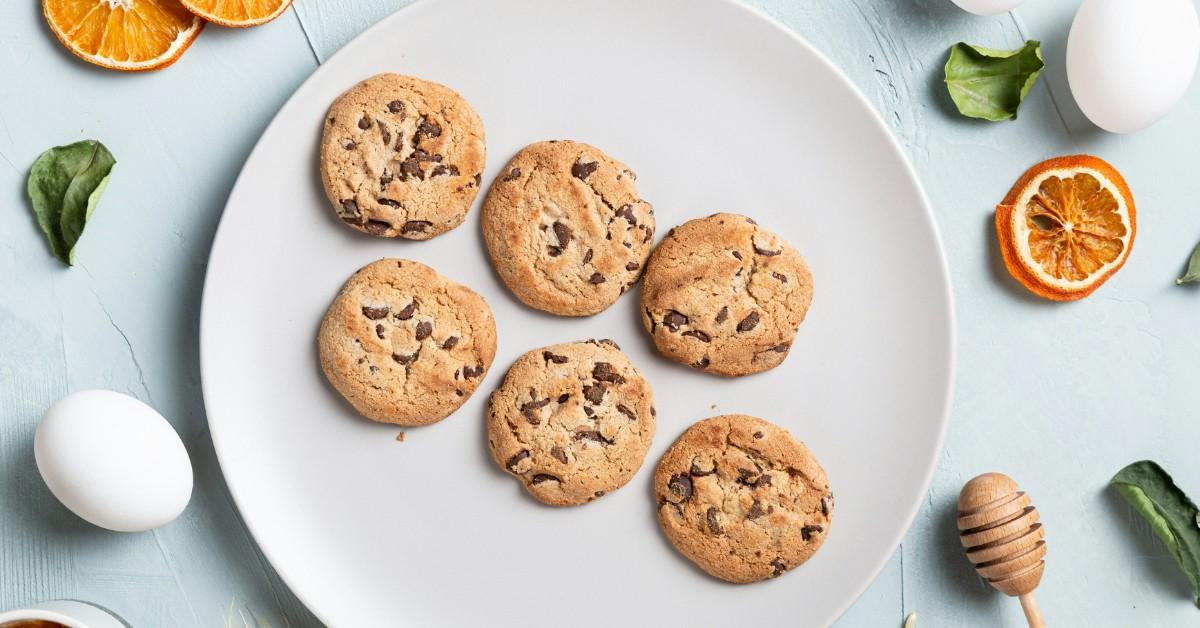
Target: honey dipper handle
{"type": "Point", "coordinates": [1033, 614]}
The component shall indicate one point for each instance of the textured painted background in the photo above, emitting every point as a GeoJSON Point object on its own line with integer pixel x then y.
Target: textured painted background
{"type": "Point", "coordinates": [1060, 396]}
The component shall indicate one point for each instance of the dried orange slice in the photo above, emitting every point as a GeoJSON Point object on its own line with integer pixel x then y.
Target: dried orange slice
{"type": "Point", "coordinates": [127, 35]}
{"type": "Point", "coordinates": [1066, 226]}
{"type": "Point", "coordinates": [238, 13]}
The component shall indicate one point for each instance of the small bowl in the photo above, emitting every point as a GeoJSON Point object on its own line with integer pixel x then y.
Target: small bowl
{"type": "Point", "coordinates": [70, 613]}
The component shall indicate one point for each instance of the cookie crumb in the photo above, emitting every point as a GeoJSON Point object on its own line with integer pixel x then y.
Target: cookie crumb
{"type": "Point", "coordinates": [400, 437]}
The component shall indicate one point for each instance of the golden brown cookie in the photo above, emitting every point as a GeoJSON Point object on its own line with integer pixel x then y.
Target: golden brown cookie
{"type": "Point", "coordinates": [566, 229]}
{"type": "Point", "coordinates": [402, 157]}
{"type": "Point", "coordinates": [404, 344]}
{"type": "Point", "coordinates": [742, 499]}
{"type": "Point", "coordinates": [724, 295]}
{"type": "Point", "coordinates": [572, 421]}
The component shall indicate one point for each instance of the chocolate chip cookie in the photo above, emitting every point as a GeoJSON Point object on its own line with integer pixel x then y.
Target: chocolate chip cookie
{"type": "Point", "coordinates": [742, 499]}
{"type": "Point", "coordinates": [572, 421]}
{"type": "Point", "coordinates": [725, 295]}
{"type": "Point", "coordinates": [566, 229]}
{"type": "Point", "coordinates": [404, 344]}
{"type": "Point", "coordinates": [402, 157]}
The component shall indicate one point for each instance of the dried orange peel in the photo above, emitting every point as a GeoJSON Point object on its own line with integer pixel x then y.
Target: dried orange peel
{"type": "Point", "coordinates": [126, 35]}
{"type": "Point", "coordinates": [238, 13]}
{"type": "Point", "coordinates": [1066, 226]}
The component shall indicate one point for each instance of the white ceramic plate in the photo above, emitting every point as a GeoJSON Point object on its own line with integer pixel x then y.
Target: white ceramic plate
{"type": "Point", "coordinates": [717, 108]}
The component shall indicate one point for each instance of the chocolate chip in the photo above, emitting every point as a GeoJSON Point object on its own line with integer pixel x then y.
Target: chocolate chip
{"type": "Point", "coordinates": [653, 411]}
{"type": "Point", "coordinates": [650, 317]}
{"type": "Point", "coordinates": [587, 258]}
{"type": "Point", "coordinates": [807, 532]}
{"type": "Point", "coordinates": [450, 343]}
{"type": "Point", "coordinates": [395, 106]}
{"type": "Point", "coordinates": [379, 331]}
{"type": "Point", "coordinates": [349, 145]}
{"type": "Point", "coordinates": [674, 320]}
{"type": "Point", "coordinates": [737, 254]}
{"type": "Point", "coordinates": [553, 251]}
{"type": "Point", "coordinates": [352, 220]}
{"type": "Point", "coordinates": [403, 359]}
{"type": "Point", "coordinates": [451, 170]}
{"type": "Point", "coordinates": [722, 315]}
{"type": "Point", "coordinates": [583, 170]}
{"type": "Point", "coordinates": [763, 480]}
{"type": "Point", "coordinates": [364, 123]}
{"type": "Point", "coordinates": [593, 435]}
{"type": "Point", "coordinates": [478, 179]}
{"type": "Point", "coordinates": [544, 477]}
{"type": "Point", "coordinates": [826, 504]}
{"type": "Point", "coordinates": [748, 323]}
{"type": "Point", "coordinates": [407, 312]}
{"type": "Point", "coordinates": [389, 202]}
{"type": "Point", "coordinates": [375, 313]}
{"type": "Point", "coordinates": [458, 392]}
{"type": "Point", "coordinates": [747, 476]}
{"type": "Point", "coordinates": [780, 348]}
{"type": "Point", "coordinates": [714, 526]}
{"type": "Point", "coordinates": [779, 565]}
{"type": "Point", "coordinates": [702, 363]}
{"type": "Point", "coordinates": [699, 469]}
{"type": "Point", "coordinates": [562, 233]}
{"type": "Point", "coordinates": [411, 168]}
{"type": "Point", "coordinates": [632, 266]}
{"type": "Point", "coordinates": [350, 206]}
{"type": "Point", "coordinates": [680, 488]}
{"type": "Point", "coordinates": [596, 278]}
{"type": "Point", "coordinates": [399, 145]}
{"type": "Point", "coordinates": [553, 357]}
{"type": "Point", "coordinates": [559, 454]}
{"type": "Point", "coordinates": [563, 398]}
{"type": "Point", "coordinates": [779, 276]}
{"type": "Point", "coordinates": [385, 181]}
{"type": "Point", "coordinates": [626, 212]}
{"type": "Point", "coordinates": [604, 372]}
{"type": "Point", "coordinates": [589, 411]}
{"type": "Point", "coordinates": [623, 409]}
{"type": "Point", "coordinates": [530, 409]}
{"type": "Point", "coordinates": [750, 220]}
{"type": "Point", "coordinates": [418, 226]}
{"type": "Point", "coordinates": [471, 373]}
{"type": "Point", "coordinates": [384, 133]}
{"type": "Point", "coordinates": [378, 227]}
{"type": "Point", "coordinates": [758, 435]}
{"type": "Point", "coordinates": [766, 252]}
{"type": "Point", "coordinates": [698, 335]}
{"type": "Point", "coordinates": [594, 393]}
{"type": "Point", "coordinates": [427, 128]}
{"type": "Point", "coordinates": [756, 510]}
{"type": "Point", "coordinates": [512, 175]}
{"type": "Point", "coordinates": [424, 328]}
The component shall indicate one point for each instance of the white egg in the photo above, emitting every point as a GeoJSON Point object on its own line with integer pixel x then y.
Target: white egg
{"type": "Point", "coordinates": [988, 7]}
{"type": "Point", "coordinates": [113, 460]}
{"type": "Point", "coordinates": [1130, 61]}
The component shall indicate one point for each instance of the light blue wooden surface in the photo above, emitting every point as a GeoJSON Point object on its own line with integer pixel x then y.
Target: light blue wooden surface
{"type": "Point", "coordinates": [1060, 396]}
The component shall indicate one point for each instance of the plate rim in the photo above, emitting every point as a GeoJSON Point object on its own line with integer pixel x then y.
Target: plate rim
{"type": "Point", "coordinates": [927, 215]}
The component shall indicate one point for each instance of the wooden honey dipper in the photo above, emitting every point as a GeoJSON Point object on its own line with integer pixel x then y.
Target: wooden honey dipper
{"type": "Point", "coordinates": [999, 528]}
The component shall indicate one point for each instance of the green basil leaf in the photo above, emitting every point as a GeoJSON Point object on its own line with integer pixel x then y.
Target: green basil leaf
{"type": "Point", "coordinates": [990, 84]}
{"type": "Point", "coordinates": [64, 186]}
{"type": "Point", "coordinates": [1170, 513]}
{"type": "Point", "coordinates": [1193, 269]}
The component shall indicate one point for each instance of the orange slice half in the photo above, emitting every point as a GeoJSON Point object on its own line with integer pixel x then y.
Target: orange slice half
{"type": "Point", "coordinates": [238, 13]}
{"type": "Point", "coordinates": [127, 35]}
{"type": "Point", "coordinates": [1066, 226]}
